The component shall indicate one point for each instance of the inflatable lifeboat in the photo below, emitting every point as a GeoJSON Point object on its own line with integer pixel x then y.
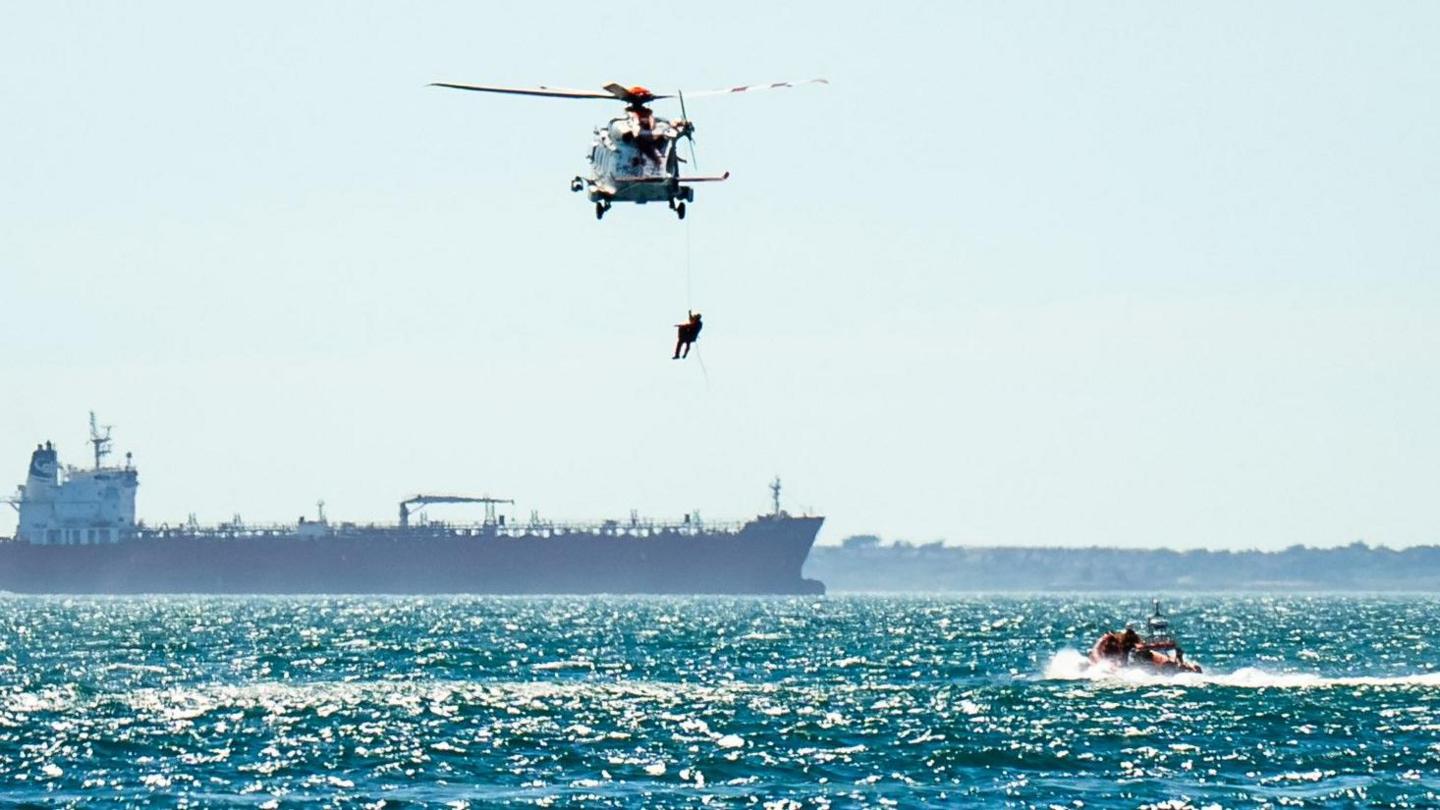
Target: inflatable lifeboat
{"type": "Point", "coordinates": [1156, 651]}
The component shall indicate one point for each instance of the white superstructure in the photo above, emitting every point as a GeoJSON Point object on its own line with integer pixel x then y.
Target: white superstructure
{"type": "Point", "coordinates": [76, 506]}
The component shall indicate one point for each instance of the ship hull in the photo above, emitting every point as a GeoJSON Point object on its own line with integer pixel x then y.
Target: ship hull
{"type": "Point", "coordinates": [763, 557]}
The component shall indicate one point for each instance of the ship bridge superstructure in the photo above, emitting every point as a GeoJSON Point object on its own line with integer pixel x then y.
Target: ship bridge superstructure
{"type": "Point", "coordinates": [76, 506]}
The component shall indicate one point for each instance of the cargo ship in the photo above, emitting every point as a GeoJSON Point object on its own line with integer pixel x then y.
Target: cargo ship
{"type": "Point", "coordinates": [77, 533]}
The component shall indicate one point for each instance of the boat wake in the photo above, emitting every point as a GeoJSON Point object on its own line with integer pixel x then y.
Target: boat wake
{"type": "Point", "coordinates": [1073, 665]}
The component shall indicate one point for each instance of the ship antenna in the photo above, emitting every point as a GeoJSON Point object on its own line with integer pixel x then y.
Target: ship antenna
{"type": "Point", "coordinates": [100, 440]}
{"type": "Point", "coordinates": [775, 493]}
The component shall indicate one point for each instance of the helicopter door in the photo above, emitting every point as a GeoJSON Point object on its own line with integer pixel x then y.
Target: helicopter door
{"type": "Point", "coordinates": [600, 159]}
{"type": "Point", "coordinates": [629, 159]}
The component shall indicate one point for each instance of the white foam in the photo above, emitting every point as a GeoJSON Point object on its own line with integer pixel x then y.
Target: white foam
{"type": "Point", "coordinates": [1072, 665]}
{"type": "Point", "coordinates": [572, 663]}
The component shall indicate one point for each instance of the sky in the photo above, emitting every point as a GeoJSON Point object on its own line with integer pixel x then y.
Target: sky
{"type": "Point", "coordinates": [1132, 274]}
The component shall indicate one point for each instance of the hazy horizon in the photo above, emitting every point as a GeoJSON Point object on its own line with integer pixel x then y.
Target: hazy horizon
{"type": "Point", "coordinates": [1023, 274]}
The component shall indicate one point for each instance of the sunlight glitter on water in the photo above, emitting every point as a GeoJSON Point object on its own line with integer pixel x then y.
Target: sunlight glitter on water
{"type": "Point", "coordinates": [677, 702]}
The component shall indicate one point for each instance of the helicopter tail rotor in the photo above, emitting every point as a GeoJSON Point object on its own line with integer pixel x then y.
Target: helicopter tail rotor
{"type": "Point", "coordinates": [689, 130]}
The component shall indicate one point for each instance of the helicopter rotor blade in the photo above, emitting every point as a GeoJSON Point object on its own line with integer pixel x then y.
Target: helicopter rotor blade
{"type": "Point", "coordinates": [617, 91]}
{"type": "Point", "coordinates": [551, 92]}
{"type": "Point", "coordinates": [748, 88]}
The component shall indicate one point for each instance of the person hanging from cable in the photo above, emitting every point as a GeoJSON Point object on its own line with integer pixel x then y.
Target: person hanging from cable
{"type": "Point", "coordinates": [686, 334]}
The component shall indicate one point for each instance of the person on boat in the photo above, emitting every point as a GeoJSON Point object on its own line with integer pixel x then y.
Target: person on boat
{"type": "Point", "coordinates": [1108, 648]}
{"type": "Point", "coordinates": [1128, 648]}
{"type": "Point", "coordinates": [1164, 655]}
{"type": "Point", "coordinates": [1131, 645]}
{"type": "Point", "coordinates": [1121, 647]}
{"type": "Point", "coordinates": [686, 334]}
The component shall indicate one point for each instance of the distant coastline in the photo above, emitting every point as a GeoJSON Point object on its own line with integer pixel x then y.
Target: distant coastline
{"type": "Point", "coordinates": [865, 563]}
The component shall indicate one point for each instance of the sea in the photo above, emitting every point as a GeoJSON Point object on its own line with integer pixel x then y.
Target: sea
{"type": "Point", "coordinates": [837, 701]}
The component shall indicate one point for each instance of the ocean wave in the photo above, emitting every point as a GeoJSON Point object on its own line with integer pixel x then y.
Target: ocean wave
{"type": "Point", "coordinates": [1073, 665]}
{"type": "Point", "coordinates": [316, 702]}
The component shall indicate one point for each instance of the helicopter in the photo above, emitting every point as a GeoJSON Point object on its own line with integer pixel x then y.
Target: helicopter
{"type": "Point", "coordinates": [634, 157]}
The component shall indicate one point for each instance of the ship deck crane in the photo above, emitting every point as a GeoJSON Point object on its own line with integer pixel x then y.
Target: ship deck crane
{"type": "Point", "coordinates": [425, 500]}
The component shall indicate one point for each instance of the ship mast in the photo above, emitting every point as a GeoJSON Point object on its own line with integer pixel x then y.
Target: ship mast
{"type": "Point", "coordinates": [99, 440]}
{"type": "Point", "coordinates": [775, 495]}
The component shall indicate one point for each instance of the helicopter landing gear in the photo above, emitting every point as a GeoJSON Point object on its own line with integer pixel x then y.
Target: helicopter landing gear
{"type": "Point", "coordinates": [577, 184]}
{"type": "Point", "coordinates": [678, 208]}
{"type": "Point", "coordinates": [600, 208]}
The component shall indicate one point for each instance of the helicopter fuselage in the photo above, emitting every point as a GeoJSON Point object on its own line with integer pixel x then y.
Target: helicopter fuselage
{"type": "Point", "coordinates": [633, 164]}
{"type": "Point", "coordinates": [633, 159]}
